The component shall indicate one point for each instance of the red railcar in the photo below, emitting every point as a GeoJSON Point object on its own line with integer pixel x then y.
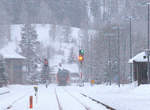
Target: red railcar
{"type": "Point", "coordinates": [63, 77]}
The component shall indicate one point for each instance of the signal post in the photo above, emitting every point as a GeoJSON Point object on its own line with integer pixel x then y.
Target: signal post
{"type": "Point", "coordinates": [81, 59]}
{"type": "Point", "coordinates": [46, 72]}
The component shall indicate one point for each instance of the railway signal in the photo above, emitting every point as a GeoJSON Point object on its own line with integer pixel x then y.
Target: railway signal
{"type": "Point", "coordinates": [36, 92]}
{"type": "Point", "coordinates": [81, 55]}
{"type": "Point", "coordinates": [45, 72]}
{"type": "Point", "coordinates": [80, 58]}
{"type": "Point", "coordinates": [81, 52]}
{"type": "Point", "coordinates": [45, 62]}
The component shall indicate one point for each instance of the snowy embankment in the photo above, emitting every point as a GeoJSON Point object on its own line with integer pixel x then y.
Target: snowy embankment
{"type": "Point", "coordinates": [4, 90]}
{"type": "Point", "coordinates": [127, 97]}
{"type": "Point", "coordinates": [17, 98]}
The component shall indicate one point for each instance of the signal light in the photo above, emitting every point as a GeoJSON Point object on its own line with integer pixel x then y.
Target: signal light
{"type": "Point", "coordinates": [45, 62]}
{"type": "Point", "coordinates": [80, 58]}
{"type": "Point", "coordinates": [81, 55]}
{"type": "Point", "coordinates": [81, 52]}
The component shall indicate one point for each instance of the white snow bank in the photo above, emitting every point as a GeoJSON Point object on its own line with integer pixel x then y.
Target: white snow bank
{"type": "Point", "coordinates": [127, 97]}
{"type": "Point", "coordinates": [3, 90]}
{"type": "Point", "coordinates": [73, 68]}
{"type": "Point", "coordinates": [17, 98]}
{"type": "Point", "coordinates": [9, 51]}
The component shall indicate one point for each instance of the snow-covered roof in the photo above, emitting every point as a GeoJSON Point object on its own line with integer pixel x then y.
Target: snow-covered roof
{"type": "Point", "coordinates": [139, 58]}
{"type": "Point", "coordinates": [9, 51]}
{"type": "Point", "coordinates": [73, 68]}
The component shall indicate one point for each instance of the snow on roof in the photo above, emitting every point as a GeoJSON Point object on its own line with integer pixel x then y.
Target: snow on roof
{"type": "Point", "coordinates": [139, 58]}
{"type": "Point", "coordinates": [73, 68]}
{"type": "Point", "coordinates": [9, 51]}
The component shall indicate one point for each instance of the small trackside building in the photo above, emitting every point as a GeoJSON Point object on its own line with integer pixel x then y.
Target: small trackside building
{"type": "Point", "coordinates": [14, 64]}
{"type": "Point", "coordinates": [139, 66]}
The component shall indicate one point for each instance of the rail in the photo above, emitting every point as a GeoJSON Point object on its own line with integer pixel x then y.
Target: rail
{"type": "Point", "coordinates": [107, 106]}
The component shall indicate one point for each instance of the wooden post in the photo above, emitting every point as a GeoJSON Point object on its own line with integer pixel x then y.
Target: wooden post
{"type": "Point", "coordinates": [31, 102]}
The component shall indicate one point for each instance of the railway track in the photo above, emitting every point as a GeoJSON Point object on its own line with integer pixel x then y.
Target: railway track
{"type": "Point", "coordinates": [107, 106]}
{"type": "Point", "coordinates": [73, 97]}
{"type": "Point", "coordinates": [85, 106]}
{"type": "Point", "coordinates": [92, 99]}
{"type": "Point", "coordinates": [16, 100]}
{"type": "Point", "coordinates": [58, 102]}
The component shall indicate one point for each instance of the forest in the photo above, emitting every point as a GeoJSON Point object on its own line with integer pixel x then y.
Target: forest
{"type": "Point", "coordinates": [112, 31]}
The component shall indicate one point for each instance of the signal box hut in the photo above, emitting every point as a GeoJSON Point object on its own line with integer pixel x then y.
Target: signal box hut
{"type": "Point", "coordinates": [14, 64]}
{"type": "Point", "coordinates": [139, 63]}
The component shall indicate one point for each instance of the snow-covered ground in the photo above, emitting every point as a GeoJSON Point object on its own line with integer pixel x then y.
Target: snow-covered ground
{"type": "Point", "coordinates": [4, 90]}
{"type": "Point", "coordinates": [17, 97]}
{"type": "Point", "coordinates": [127, 97]}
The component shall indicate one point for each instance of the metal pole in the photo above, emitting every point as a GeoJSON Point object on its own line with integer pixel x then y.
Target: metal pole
{"type": "Point", "coordinates": [109, 62]}
{"type": "Point", "coordinates": [148, 27]}
{"type": "Point", "coordinates": [148, 71]}
{"type": "Point", "coordinates": [104, 11]}
{"type": "Point", "coordinates": [91, 62]}
{"type": "Point", "coordinates": [130, 52]}
{"type": "Point", "coordinates": [28, 43]}
{"type": "Point", "coordinates": [118, 56]}
{"type": "Point", "coordinates": [91, 59]}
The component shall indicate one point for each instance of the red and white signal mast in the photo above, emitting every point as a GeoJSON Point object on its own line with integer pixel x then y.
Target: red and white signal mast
{"type": "Point", "coordinates": [45, 62]}
{"type": "Point", "coordinates": [45, 75]}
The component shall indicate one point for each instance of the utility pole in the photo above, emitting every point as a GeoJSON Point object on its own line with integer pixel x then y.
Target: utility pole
{"type": "Point", "coordinates": [130, 51]}
{"type": "Point", "coordinates": [28, 51]}
{"type": "Point", "coordinates": [81, 59]}
{"type": "Point", "coordinates": [148, 64]}
{"type": "Point", "coordinates": [91, 61]}
{"type": "Point", "coordinates": [118, 56]}
{"type": "Point", "coordinates": [109, 61]}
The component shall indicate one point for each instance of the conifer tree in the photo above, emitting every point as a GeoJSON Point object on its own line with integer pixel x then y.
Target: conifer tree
{"type": "Point", "coordinates": [71, 58]}
{"type": "Point", "coordinates": [29, 48]}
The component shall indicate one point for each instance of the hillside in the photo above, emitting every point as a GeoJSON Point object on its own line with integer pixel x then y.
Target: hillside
{"type": "Point", "coordinates": [57, 45]}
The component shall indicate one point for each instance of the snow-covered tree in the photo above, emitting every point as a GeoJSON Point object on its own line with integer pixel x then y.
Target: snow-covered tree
{"type": "Point", "coordinates": [72, 56]}
{"type": "Point", "coordinates": [67, 34]}
{"type": "Point", "coordinates": [52, 32]}
{"type": "Point", "coordinates": [44, 13]}
{"type": "Point", "coordinates": [3, 78]}
{"type": "Point", "coordinates": [4, 34]}
{"type": "Point", "coordinates": [30, 47]}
